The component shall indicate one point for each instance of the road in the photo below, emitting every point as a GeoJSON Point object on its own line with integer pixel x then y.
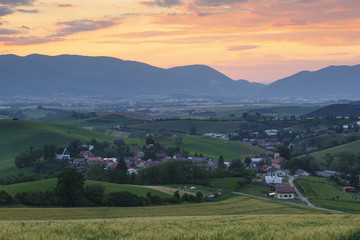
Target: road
{"type": "Point", "coordinates": [304, 199]}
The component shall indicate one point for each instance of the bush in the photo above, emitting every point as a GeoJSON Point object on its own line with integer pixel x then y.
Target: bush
{"type": "Point", "coordinates": [5, 198]}
{"type": "Point", "coordinates": [37, 198]}
{"type": "Point", "coordinates": [95, 193]}
{"type": "Point", "coordinates": [123, 199]}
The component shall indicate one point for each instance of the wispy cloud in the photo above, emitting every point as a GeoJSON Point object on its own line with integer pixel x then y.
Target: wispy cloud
{"type": "Point", "coordinates": [64, 5]}
{"type": "Point", "coordinates": [27, 11]}
{"type": "Point", "coordinates": [84, 25]}
{"type": "Point", "coordinates": [17, 2]}
{"type": "Point", "coordinates": [31, 40]}
{"type": "Point", "coordinates": [215, 3]}
{"type": "Point", "coordinates": [5, 11]}
{"type": "Point", "coordinates": [242, 47]}
{"type": "Point", "coordinates": [4, 31]}
{"type": "Point", "coordinates": [162, 3]}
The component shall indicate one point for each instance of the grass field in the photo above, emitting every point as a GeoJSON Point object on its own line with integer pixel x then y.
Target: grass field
{"type": "Point", "coordinates": [181, 228]}
{"type": "Point", "coordinates": [211, 147]}
{"type": "Point", "coordinates": [234, 206]}
{"type": "Point", "coordinates": [324, 194]}
{"type": "Point", "coordinates": [353, 147]}
{"type": "Point", "coordinates": [50, 184]}
{"type": "Point", "coordinates": [184, 125]}
{"type": "Point", "coordinates": [229, 183]}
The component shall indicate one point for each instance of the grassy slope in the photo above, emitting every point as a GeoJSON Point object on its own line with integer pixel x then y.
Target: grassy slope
{"type": "Point", "coordinates": [321, 192]}
{"type": "Point", "coordinates": [102, 120]}
{"type": "Point", "coordinates": [233, 206]}
{"type": "Point", "coordinates": [200, 227]}
{"type": "Point", "coordinates": [184, 126]}
{"type": "Point", "coordinates": [49, 184]}
{"type": "Point", "coordinates": [211, 147]}
{"type": "Point", "coordinates": [353, 147]}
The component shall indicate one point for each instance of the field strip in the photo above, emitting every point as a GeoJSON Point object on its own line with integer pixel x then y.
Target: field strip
{"type": "Point", "coordinates": [296, 204]}
{"type": "Point", "coordinates": [167, 190]}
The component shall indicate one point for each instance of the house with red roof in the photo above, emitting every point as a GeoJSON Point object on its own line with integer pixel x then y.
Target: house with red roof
{"type": "Point", "coordinates": [279, 161]}
{"type": "Point", "coordinates": [284, 192]}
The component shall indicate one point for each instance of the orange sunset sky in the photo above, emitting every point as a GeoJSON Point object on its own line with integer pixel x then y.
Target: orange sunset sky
{"type": "Point", "coordinates": [257, 40]}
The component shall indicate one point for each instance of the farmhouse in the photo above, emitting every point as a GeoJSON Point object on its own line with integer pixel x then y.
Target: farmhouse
{"type": "Point", "coordinates": [284, 192]}
{"type": "Point", "coordinates": [273, 180]}
{"type": "Point", "coordinates": [139, 154]}
{"type": "Point", "coordinates": [275, 172]}
{"type": "Point", "coordinates": [62, 154]}
{"type": "Point", "coordinates": [302, 173]}
{"type": "Point", "coordinates": [279, 161]}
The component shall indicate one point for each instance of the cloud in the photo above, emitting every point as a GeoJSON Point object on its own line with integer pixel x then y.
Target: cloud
{"type": "Point", "coordinates": [5, 11]}
{"type": "Point", "coordinates": [162, 3]}
{"type": "Point", "coordinates": [242, 47]}
{"type": "Point", "coordinates": [64, 5]}
{"type": "Point", "coordinates": [17, 2]}
{"type": "Point", "coordinates": [27, 11]}
{"type": "Point", "coordinates": [19, 41]}
{"type": "Point", "coordinates": [289, 22]}
{"type": "Point", "coordinates": [215, 3]}
{"type": "Point", "coordinates": [84, 25]}
{"type": "Point", "coordinates": [4, 31]}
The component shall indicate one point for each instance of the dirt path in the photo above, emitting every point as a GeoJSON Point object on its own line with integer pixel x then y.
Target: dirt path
{"type": "Point", "coordinates": [304, 199]}
{"type": "Point", "coordinates": [167, 190]}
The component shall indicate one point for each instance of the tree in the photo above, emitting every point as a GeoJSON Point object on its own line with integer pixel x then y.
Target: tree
{"type": "Point", "coordinates": [221, 162]}
{"type": "Point", "coordinates": [247, 161]}
{"type": "Point", "coordinates": [121, 166]}
{"type": "Point", "coordinates": [49, 152]}
{"type": "Point", "coordinates": [192, 130]}
{"type": "Point", "coordinates": [236, 165]}
{"type": "Point", "coordinates": [70, 187]}
{"type": "Point", "coordinates": [149, 140]}
{"type": "Point", "coordinates": [95, 193]}
{"type": "Point", "coordinates": [199, 196]}
{"type": "Point", "coordinates": [284, 152]}
{"type": "Point", "coordinates": [74, 147]}
{"type": "Point", "coordinates": [178, 140]}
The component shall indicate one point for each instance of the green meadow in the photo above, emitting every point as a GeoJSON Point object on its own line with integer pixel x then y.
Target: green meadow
{"type": "Point", "coordinates": [50, 184]}
{"type": "Point", "coordinates": [323, 193]}
{"type": "Point", "coordinates": [211, 147]}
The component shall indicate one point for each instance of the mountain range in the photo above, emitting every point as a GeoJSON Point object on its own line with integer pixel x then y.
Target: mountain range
{"type": "Point", "coordinates": [112, 78]}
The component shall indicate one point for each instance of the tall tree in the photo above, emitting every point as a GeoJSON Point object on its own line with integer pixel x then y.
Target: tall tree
{"type": "Point", "coordinates": [284, 152]}
{"type": "Point", "coordinates": [70, 187]}
{"type": "Point", "coordinates": [221, 162]}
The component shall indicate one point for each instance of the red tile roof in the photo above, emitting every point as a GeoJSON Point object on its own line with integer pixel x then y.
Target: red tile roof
{"type": "Point", "coordinates": [279, 160]}
{"type": "Point", "coordinates": [284, 189]}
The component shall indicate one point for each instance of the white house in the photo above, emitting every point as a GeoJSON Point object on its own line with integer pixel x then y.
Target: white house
{"type": "Point", "coordinates": [273, 180]}
{"type": "Point", "coordinates": [275, 172]}
{"type": "Point", "coordinates": [62, 154]}
{"type": "Point", "coordinates": [284, 192]}
{"type": "Point", "coordinates": [302, 173]}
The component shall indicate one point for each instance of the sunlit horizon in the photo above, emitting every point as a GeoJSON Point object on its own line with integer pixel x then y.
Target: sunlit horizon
{"type": "Point", "coordinates": [259, 41]}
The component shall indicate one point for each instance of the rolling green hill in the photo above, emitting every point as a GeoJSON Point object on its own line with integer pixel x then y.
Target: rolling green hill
{"type": "Point", "coordinates": [17, 136]}
{"type": "Point", "coordinates": [184, 125]}
{"type": "Point", "coordinates": [353, 147]}
{"type": "Point", "coordinates": [50, 184]}
{"type": "Point", "coordinates": [211, 147]}
{"type": "Point", "coordinates": [324, 194]}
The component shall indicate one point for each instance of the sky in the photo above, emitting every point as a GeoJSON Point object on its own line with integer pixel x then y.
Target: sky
{"type": "Point", "coordinates": [256, 40]}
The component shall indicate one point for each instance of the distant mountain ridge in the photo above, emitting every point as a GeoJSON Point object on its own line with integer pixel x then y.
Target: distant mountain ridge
{"type": "Point", "coordinates": [41, 75]}
{"type": "Point", "coordinates": [331, 82]}
{"type": "Point", "coordinates": [112, 78]}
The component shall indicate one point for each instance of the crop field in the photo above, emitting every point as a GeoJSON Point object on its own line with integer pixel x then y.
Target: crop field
{"type": "Point", "coordinates": [234, 206]}
{"type": "Point", "coordinates": [199, 227]}
{"type": "Point", "coordinates": [211, 147]}
{"type": "Point", "coordinates": [184, 125]}
{"type": "Point", "coordinates": [323, 194]}
{"type": "Point", "coordinates": [50, 184]}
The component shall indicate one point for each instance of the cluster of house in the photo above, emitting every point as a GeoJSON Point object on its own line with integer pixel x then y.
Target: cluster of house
{"type": "Point", "coordinates": [275, 175]}
{"type": "Point", "coordinates": [134, 164]}
{"type": "Point", "coordinates": [263, 143]}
